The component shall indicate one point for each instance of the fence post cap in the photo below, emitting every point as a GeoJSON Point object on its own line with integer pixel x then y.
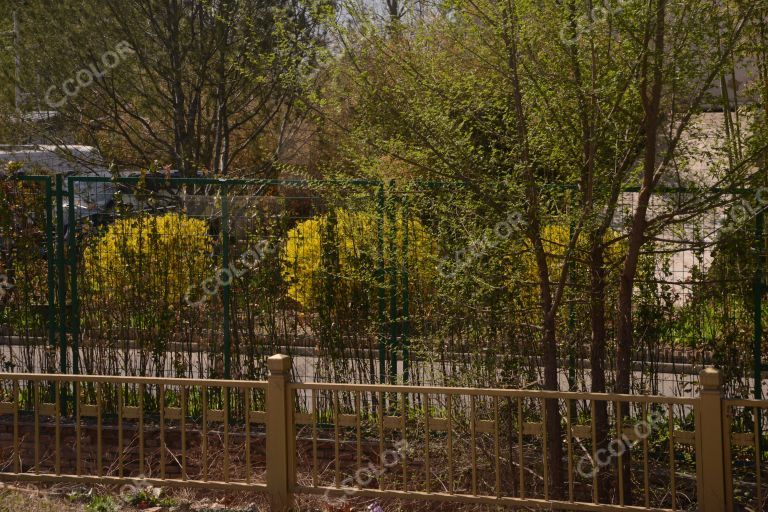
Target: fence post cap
{"type": "Point", "coordinates": [279, 363]}
{"type": "Point", "coordinates": [710, 378]}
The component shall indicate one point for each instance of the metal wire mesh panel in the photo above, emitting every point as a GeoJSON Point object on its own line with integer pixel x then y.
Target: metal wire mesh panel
{"type": "Point", "coordinates": [135, 263]}
{"type": "Point", "coordinates": [472, 291]}
{"type": "Point", "coordinates": [694, 301]}
{"type": "Point", "coordinates": [27, 276]}
{"type": "Point", "coordinates": [306, 265]}
{"type": "Point", "coordinates": [694, 297]}
{"type": "Point", "coordinates": [206, 278]}
{"type": "Point", "coordinates": [364, 282]}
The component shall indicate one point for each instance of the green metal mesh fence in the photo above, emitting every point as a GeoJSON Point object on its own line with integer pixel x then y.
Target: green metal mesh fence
{"type": "Point", "coordinates": [359, 281]}
{"type": "Point", "coordinates": [28, 286]}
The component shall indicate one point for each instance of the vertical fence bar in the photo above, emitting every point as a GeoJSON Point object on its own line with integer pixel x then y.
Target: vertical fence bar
{"type": "Point", "coordinates": [619, 439]}
{"type": "Point", "coordinates": [545, 458]}
{"type": "Point", "coordinates": [520, 447]}
{"type": "Point", "coordinates": [247, 407]}
{"type": "Point", "coordinates": [141, 430]}
{"type": "Point", "coordinates": [57, 433]}
{"type": "Point", "coordinates": [427, 469]}
{"type": "Point", "coordinates": [204, 430]}
{"type": "Point", "coordinates": [183, 427]}
{"type": "Point", "coordinates": [226, 409]}
{"type": "Point", "coordinates": [226, 279]}
{"type": "Point", "coordinates": [757, 288]}
{"type": "Point", "coordinates": [381, 435]}
{"type": "Point", "coordinates": [672, 468]}
{"type": "Point", "coordinates": [161, 407]}
{"type": "Point", "coordinates": [99, 428]}
{"type": "Point", "coordinates": [569, 445]}
{"type": "Point", "coordinates": [404, 434]}
{"type": "Point", "coordinates": [381, 286]}
{"type": "Point", "coordinates": [473, 442]}
{"type": "Point", "coordinates": [62, 275]}
{"type": "Point", "coordinates": [727, 431]}
{"type": "Point", "coordinates": [758, 459]}
{"type": "Point", "coordinates": [497, 445]}
{"type": "Point", "coordinates": [75, 313]}
{"type": "Point", "coordinates": [646, 472]}
{"type": "Point", "coordinates": [78, 429]}
{"type": "Point", "coordinates": [595, 465]}
{"type": "Point", "coordinates": [336, 441]}
{"type": "Point", "coordinates": [393, 313]}
{"type": "Point", "coordinates": [710, 462]}
{"type": "Point", "coordinates": [278, 429]}
{"type": "Point", "coordinates": [406, 306]}
{"type": "Point", "coordinates": [120, 456]}
{"type": "Point", "coordinates": [37, 425]}
{"type": "Point", "coordinates": [49, 251]}
{"type": "Point", "coordinates": [358, 435]}
{"type": "Point", "coordinates": [315, 419]}
{"type": "Point", "coordinates": [449, 421]}
{"type": "Point", "coordinates": [16, 443]}
{"type": "Point", "coordinates": [571, 323]}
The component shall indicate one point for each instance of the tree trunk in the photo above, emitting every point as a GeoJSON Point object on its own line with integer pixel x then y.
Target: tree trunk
{"type": "Point", "coordinates": [553, 425]}
{"type": "Point", "coordinates": [597, 356]}
{"type": "Point", "coordinates": [182, 141]}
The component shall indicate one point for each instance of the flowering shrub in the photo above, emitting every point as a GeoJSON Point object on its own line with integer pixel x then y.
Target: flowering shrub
{"type": "Point", "coordinates": [149, 260]}
{"type": "Point", "coordinates": [338, 254]}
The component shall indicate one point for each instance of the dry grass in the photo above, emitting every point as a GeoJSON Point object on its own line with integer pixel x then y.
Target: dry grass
{"type": "Point", "coordinates": [59, 499]}
{"type": "Point", "coordinates": [30, 499]}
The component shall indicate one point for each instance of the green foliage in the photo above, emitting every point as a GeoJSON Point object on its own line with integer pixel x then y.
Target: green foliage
{"type": "Point", "coordinates": [23, 267]}
{"type": "Point", "coordinates": [234, 68]}
{"type": "Point", "coordinates": [102, 504]}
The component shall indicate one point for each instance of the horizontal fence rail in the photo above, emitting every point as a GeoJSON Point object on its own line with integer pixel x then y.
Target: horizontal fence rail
{"type": "Point", "coordinates": [344, 441]}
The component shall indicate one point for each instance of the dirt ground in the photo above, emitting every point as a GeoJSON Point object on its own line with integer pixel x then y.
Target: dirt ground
{"type": "Point", "coordinates": [69, 498]}
{"type": "Point", "coordinates": [30, 498]}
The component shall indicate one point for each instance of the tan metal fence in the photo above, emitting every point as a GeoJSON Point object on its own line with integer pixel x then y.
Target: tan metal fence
{"type": "Point", "coordinates": [460, 445]}
{"type": "Point", "coordinates": [183, 432]}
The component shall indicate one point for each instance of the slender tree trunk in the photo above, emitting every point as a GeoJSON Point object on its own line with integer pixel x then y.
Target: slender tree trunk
{"type": "Point", "coordinates": [651, 89]}
{"type": "Point", "coordinates": [597, 355]}
{"type": "Point", "coordinates": [554, 443]}
{"type": "Point", "coordinates": [553, 425]}
{"type": "Point", "coordinates": [221, 146]}
{"type": "Point", "coordinates": [182, 141]}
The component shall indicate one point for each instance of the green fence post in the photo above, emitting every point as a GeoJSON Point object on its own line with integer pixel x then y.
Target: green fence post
{"type": "Point", "coordinates": [405, 313]}
{"type": "Point", "coordinates": [62, 274]}
{"type": "Point", "coordinates": [227, 278]}
{"type": "Point", "coordinates": [757, 287]}
{"type": "Point", "coordinates": [75, 318]}
{"type": "Point", "coordinates": [392, 284]}
{"type": "Point", "coordinates": [381, 285]}
{"type": "Point", "coordinates": [49, 250]}
{"type": "Point", "coordinates": [571, 324]}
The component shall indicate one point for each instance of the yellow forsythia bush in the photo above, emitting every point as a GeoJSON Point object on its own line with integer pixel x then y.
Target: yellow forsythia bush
{"type": "Point", "coordinates": [342, 248]}
{"type": "Point", "coordinates": [154, 259]}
